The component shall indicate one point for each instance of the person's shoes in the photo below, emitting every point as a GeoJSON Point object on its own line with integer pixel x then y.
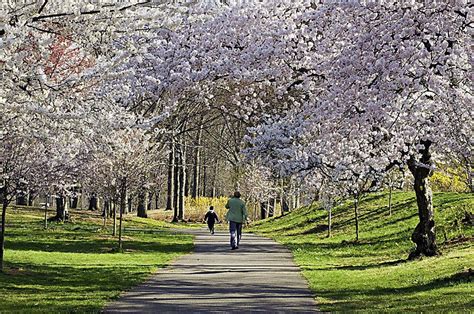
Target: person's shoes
{"type": "Point", "coordinates": [212, 232]}
{"type": "Point", "coordinates": [234, 248]}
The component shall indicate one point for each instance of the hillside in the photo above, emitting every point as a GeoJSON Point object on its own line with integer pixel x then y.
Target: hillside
{"type": "Point", "coordinates": [373, 274]}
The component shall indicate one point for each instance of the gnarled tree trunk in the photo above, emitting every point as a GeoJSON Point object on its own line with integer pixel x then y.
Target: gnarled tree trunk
{"type": "Point", "coordinates": [424, 235]}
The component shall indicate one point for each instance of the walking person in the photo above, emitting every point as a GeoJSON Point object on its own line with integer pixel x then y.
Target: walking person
{"type": "Point", "coordinates": [236, 216]}
{"type": "Point", "coordinates": [211, 218]}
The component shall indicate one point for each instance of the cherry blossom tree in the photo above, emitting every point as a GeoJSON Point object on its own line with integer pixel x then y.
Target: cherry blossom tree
{"type": "Point", "coordinates": [394, 93]}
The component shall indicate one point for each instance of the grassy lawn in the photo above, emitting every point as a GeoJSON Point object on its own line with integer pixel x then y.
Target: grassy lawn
{"type": "Point", "coordinates": [373, 274]}
{"type": "Point", "coordinates": [74, 267]}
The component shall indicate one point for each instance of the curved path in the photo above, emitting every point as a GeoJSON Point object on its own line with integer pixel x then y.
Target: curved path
{"type": "Point", "coordinates": [258, 277]}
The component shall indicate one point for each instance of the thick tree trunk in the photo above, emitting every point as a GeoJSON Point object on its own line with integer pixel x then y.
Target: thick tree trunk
{"type": "Point", "coordinates": [171, 179]}
{"type": "Point", "coordinates": [4, 201]}
{"type": "Point", "coordinates": [141, 208]}
{"type": "Point", "coordinates": [424, 235]}
{"type": "Point", "coordinates": [60, 209]}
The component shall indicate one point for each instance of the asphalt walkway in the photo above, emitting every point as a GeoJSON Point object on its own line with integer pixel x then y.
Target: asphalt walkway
{"type": "Point", "coordinates": [258, 277]}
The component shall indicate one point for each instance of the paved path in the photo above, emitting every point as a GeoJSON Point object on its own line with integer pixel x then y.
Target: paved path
{"type": "Point", "coordinates": [258, 277]}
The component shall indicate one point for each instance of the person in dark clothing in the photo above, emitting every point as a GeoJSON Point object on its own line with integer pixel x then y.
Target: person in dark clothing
{"type": "Point", "coordinates": [211, 218]}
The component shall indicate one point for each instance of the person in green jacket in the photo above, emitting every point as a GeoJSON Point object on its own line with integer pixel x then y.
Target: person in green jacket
{"type": "Point", "coordinates": [236, 216]}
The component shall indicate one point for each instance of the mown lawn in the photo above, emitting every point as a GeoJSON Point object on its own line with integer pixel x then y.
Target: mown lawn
{"type": "Point", "coordinates": [373, 274]}
{"type": "Point", "coordinates": [75, 267]}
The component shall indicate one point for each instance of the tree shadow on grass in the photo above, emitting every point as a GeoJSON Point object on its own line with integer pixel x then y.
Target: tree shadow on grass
{"type": "Point", "coordinates": [399, 298]}
{"type": "Point", "coordinates": [96, 246]}
{"type": "Point", "coordinates": [59, 288]}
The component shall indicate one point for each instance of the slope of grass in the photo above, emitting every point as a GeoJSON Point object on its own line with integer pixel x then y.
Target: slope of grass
{"type": "Point", "coordinates": [373, 274]}
{"type": "Point", "coordinates": [74, 267]}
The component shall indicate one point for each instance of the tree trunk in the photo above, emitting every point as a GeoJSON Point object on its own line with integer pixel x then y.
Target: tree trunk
{"type": "Point", "coordinates": [157, 199]}
{"type": "Point", "coordinates": [263, 210]}
{"type": "Point", "coordinates": [21, 199]}
{"type": "Point", "coordinates": [74, 201]}
{"type": "Point", "coordinates": [182, 182]}
{"type": "Point", "coordinates": [114, 208]}
{"type": "Point", "coordinates": [329, 221]}
{"type": "Point", "coordinates": [297, 200]}
{"type": "Point", "coordinates": [469, 174]}
{"type": "Point", "coordinates": [60, 209]}
{"type": "Point", "coordinates": [46, 203]}
{"type": "Point", "coordinates": [356, 212]}
{"type": "Point", "coordinates": [282, 206]}
{"type": "Point", "coordinates": [4, 200]}
{"type": "Point", "coordinates": [123, 196]}
{"type": "Point", "coordinates": [176, 186]}
{"type": "Point", "coordinates": [424, 235]}
{"type": "Point", "coordinates": [129, 204]}
{"type": "Point", "coordinates": [105, 212]}
{"type": "Point", "coordinates": [204, 181]}
{"type": "Point", "coordinates": [214, 180]}
{"type": "Point", "coordinates": [171, 179]}
{"type": "Point", "coordinates": [82, 198]}
{"type": "Point", "coordinates": [93, 202]}
{"type": "Point", "coordinates": [31, 197]}
{"type": "Point", "coordinates": [390, 189]}
{"type": "Point", "coordinates": [149, 200]}
{"type": "Point", "coordinates": [141, 208]}
{"type": "Point", "coordinates": [187, 181]}
{"type": "Point", "coordinates": [271, 207]}
{"type": "Point", "coordinates": [197, 164]}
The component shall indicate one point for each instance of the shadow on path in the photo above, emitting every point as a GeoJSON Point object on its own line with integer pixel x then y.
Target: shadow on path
{"type": "Point", "coordinates": [258, 277]}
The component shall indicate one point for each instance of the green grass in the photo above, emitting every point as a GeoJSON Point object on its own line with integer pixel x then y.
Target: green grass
{"type": "Point", "coordinates": [75, 267]}
{"type": "Point", "coordinates": [373, 274]}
